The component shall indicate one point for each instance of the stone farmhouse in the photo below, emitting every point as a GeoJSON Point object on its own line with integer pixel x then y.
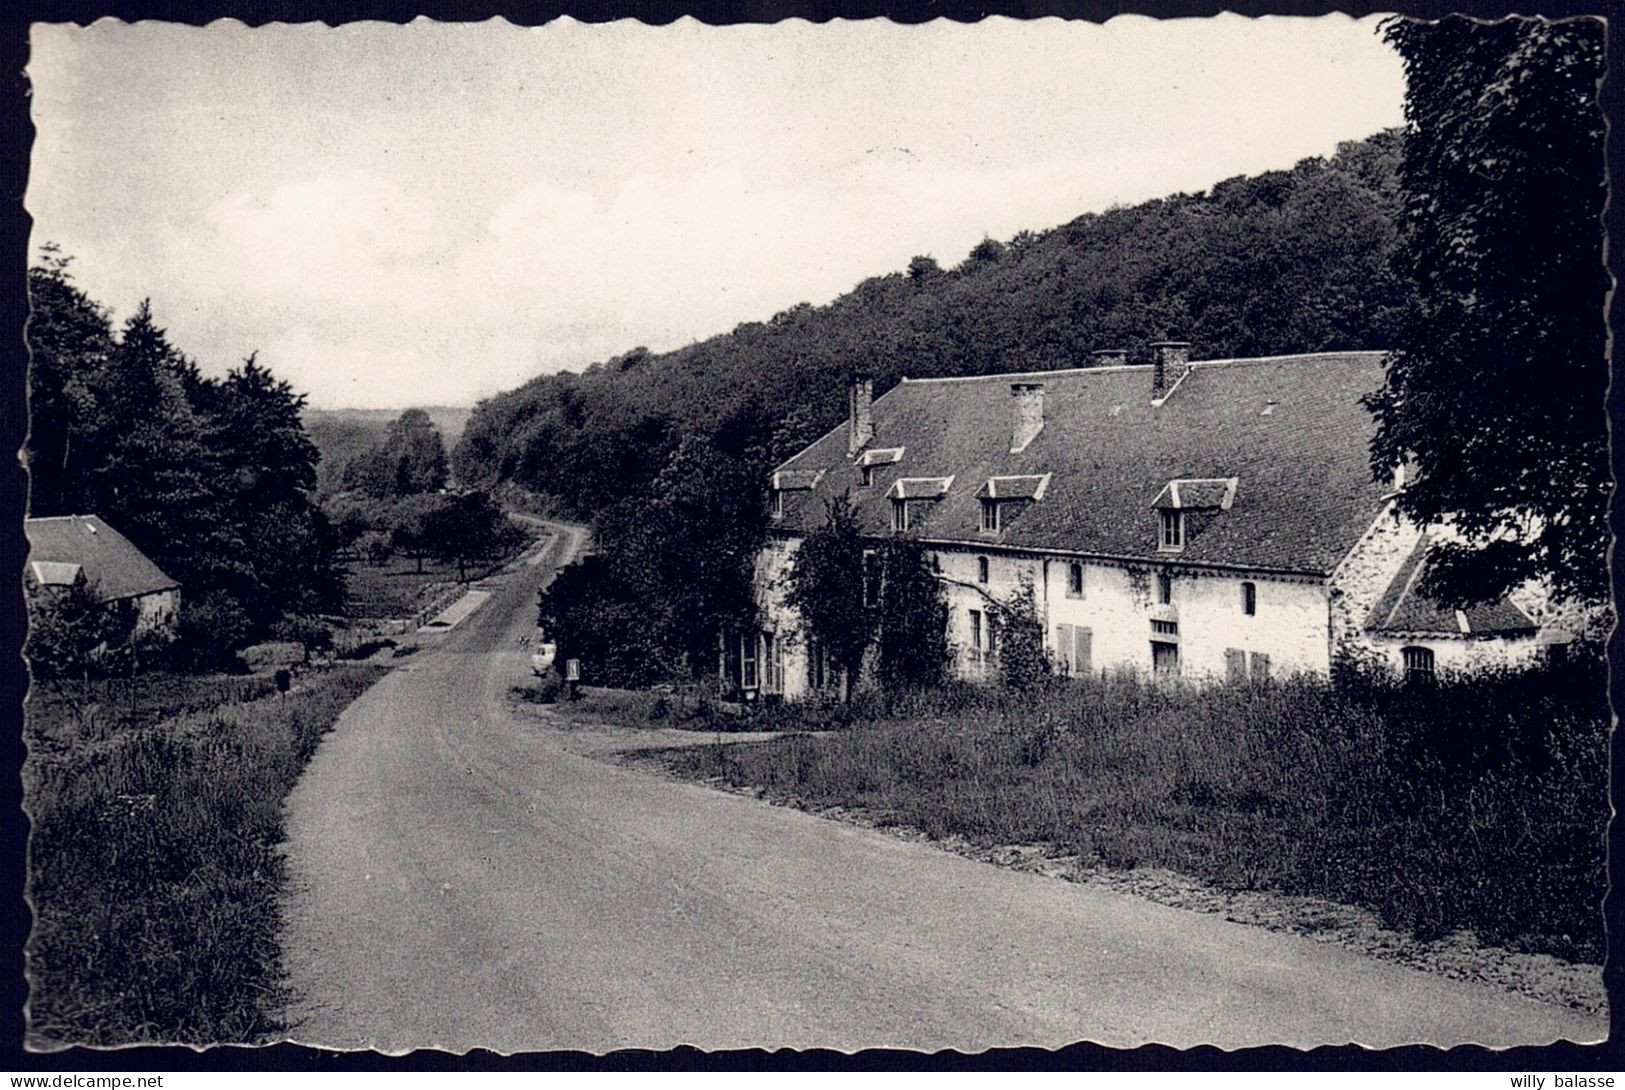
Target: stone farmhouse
{"type": "Point", "coordinates": [1211, 521]}
{"type": "Point", "coordinates": [73, 549]}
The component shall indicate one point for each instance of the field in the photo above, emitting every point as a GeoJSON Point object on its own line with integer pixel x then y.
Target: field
{"type": "Point", "coordinates": [394, 588]}
{"type": "Point", "coordinates": [1476, 806]}
{"type": "Point", "coordinates": [154, 864]}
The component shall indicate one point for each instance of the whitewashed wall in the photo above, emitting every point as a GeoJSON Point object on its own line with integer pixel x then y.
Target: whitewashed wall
{"type": "Point", "coordinates": [772, 565]}
{"type": "Point", "coordinates": [158, 613]}
{"type": "Point", "coordinates": [1118, 606]}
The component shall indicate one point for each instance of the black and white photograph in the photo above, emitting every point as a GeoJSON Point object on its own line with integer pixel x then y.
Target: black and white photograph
{"type": "Point", "coordinates": [817, 535]}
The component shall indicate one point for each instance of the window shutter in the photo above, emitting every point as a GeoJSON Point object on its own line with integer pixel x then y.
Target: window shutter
{"type": "Point", "coordinates": [1235, 664]}
{"type": "Point", "coordinates": [1083, 651]}
{"type": "Point", "coordinates": [1063, 647]}
{"type": "Point", "coordinates": [1261, 667]}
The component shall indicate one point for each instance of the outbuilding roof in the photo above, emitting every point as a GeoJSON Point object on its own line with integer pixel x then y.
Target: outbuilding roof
{"type": "Point", "coordinates": [108, 558]}
{"type": "Point", "coordinates": [1404, 611]}
{"type": "Point", "coordinates": [1286, 435]}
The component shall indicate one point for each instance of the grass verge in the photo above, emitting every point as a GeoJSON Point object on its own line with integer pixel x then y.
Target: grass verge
{"type": "Point", "coordinates": [154, 872]}
{"type": "Point", "coordinates": [1480, 805]}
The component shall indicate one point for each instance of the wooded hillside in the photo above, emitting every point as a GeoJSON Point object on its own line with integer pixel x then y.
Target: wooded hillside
{"type": "Point", "coordinates": [1287, 261]}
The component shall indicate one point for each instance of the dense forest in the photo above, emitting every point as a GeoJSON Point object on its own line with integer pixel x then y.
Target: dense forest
{"type": "Point", "coordinates": [1287, 261]}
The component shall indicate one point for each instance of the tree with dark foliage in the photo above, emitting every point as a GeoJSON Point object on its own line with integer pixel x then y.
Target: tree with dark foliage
{"type": "Point", "coordinates": [69, 341]}
{"type": "Point", "coordinates": [830, 587]}
{"type": "Point", "coordinates": [468, 529]}
{"type": "Point", "coordinates": [912, 630]}
{"type": "Point", "coordinates": [1494, 393]}
{"type": "Point", "coordinates": [212, 478]}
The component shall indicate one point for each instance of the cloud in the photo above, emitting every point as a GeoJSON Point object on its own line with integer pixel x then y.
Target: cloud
{"type": "Point", "coordinates": [566, 193]}
{"type": "Point", "coordinates": [346, 238]}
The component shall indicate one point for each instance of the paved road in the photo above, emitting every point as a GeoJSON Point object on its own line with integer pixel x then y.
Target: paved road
{"type": "Point", "coordinates": [460, 880]}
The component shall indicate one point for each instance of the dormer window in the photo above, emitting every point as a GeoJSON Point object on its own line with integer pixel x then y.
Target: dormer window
{"type": "Point", "coordinates": [1003, 498]}
{"type": "Point", "coordinates": [1172, 537]}
{"type": "Point", "coordinates": [869, 460]}
{"type": "Point", "coordinates": [1203, 498]}
{"type": "Point", "coordinates": [907, 492]}
{"type": "Point", "coordinates": [790, 480]}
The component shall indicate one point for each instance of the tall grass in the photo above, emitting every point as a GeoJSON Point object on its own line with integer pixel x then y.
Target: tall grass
{"type": "Point", "coordinates": [1477, 805]}
{"type": "Point", "coordinates": [154, 872]}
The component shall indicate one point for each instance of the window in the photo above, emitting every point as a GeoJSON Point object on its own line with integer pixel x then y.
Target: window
{"type": "Point", "coordinates": [899, 516]}
{"type": "Point", "coordinates": [747, 660]}
{"type": "Point", "coordinates": [1165, 628]}
{"type": "Point", "coordinates": [1164, 659]}
{"type": "Point", "coordinates": [1074, 580]}
{"type": "Point", "coordinates": [981, 569]}
{"type": "Point", "coordinates": [1173, 531]}
{"type": "Point", "coordinates": [819, 673]}
{"type": "Point", "coordinates": [772, 663]}
{"type": "Point", "coordinates": [1249, 598]}
{"type": "Point", "coordinates": [975, 635]}
{"type": "Point", "coordinates": [1260, 667]}
{"type": "Point", "coordinates": [1418, 664]}
{"type": "Point", "coordinates": [770, 682]}
{"type": "Point", "coordinates": [778, 504]}
{"type": "Point", "coordinates": [990, 516]}
{"type": "Point", "coordinates": [871, 578]}
{"type": "Point", "coordinates": [1074, 650]}
{"type": "Point", "coordinates": [1165, 588]}
{"type": "Point", "coordinates": [866, 476]}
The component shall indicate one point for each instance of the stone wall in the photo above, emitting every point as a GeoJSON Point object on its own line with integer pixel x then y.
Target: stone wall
{"type": "Point", "coordinates": [1359, 581]}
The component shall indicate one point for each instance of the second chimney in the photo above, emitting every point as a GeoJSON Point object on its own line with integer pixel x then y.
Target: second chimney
{"type": "Point", "coordinates": [860, 425]}
{"type": "Point", "coordinates": [1026, 413]}
{"type": "Point", "coordinates": [1171, 360]}
{"type": "Point", "coordinates": [1108, 357]}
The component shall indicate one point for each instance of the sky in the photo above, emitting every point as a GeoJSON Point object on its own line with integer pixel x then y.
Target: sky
{"type": "Point", "coordinates": [429, 214]}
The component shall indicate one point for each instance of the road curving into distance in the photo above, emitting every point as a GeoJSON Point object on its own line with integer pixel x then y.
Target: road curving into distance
{"type": "Point", "coordinates": [460, 880]}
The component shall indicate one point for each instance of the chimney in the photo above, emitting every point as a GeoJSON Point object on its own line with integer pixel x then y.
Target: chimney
{"type": "Point", "coordinates": [860, 425]}
{"type": "Point", "coordinates": [1171, 361]}
{"type": "Point", "coordinates": [1026, 414]}
{"type": "Point", "coordinates": [1108, 357]}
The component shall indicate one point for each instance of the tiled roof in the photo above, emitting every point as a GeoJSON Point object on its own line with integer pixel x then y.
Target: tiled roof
{"type": "Point", "coordinates": [919, 488]}
{"type": "Point", "coordinates": [1014, 488]}
{"type": "Point", "coordinates": [1196, 495]}
{"type": "Point", "coordinates": [1304, 491]}
{"type": "Point", "coordinates": [791, 480]}
{"type": "Point", "coordinates": [880, 456]}
{"type": "Point", "coordinates": [109, 560]}
{"type": "Point", "coordinates": [1403, 610]}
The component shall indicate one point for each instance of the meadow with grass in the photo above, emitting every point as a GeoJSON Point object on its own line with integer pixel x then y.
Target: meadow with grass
{"type": "Point", "coordinates": [1478, 805]}
{"type": "Point", "coordinates": [154, 866]}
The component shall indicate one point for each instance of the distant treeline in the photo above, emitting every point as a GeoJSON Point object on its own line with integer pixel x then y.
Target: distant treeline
{"type": "Point", "coordinates": [1286, 261]}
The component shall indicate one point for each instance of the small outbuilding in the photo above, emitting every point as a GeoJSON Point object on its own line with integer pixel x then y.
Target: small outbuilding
{"type": "Point", "coordinates": [69, 550]}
